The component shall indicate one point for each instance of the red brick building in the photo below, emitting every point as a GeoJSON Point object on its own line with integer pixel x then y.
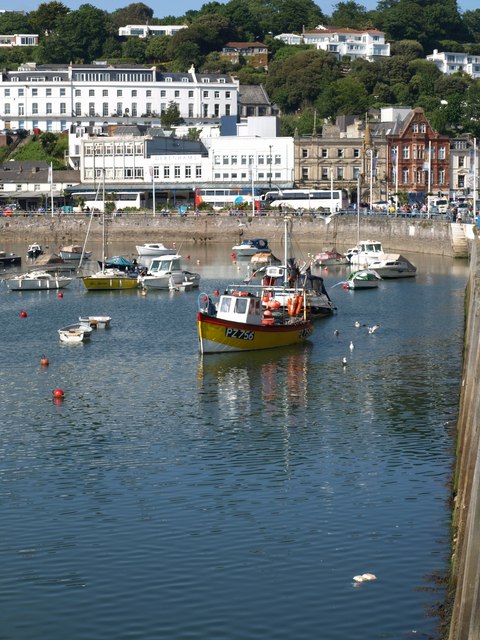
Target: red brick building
{"type": "Point", "coordinates": [422, 155]}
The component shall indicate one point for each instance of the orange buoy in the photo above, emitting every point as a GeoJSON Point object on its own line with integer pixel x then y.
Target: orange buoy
{"type": "Point", "coordinates": [60, 295]}
{"type": "Point", "coordinates": [44, 361]}
{"type": "Point", "coordinates": [267, 313]}
{"type": "Point", "coordinates": [58, 394]}
{"type": "Point", "coordinates": [273, 304]}
{"type": "Point", "coordinates": [23, 314]}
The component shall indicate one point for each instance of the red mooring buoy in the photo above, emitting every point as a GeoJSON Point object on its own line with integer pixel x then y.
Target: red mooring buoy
{"type": "Point", "coordinates": [44, 361]}
{"type": "Point", "coordinates": [60, 295]}
{"type": "Point", "coordinates": [23, 314]}
{"type": "Point", "coordinates": [216, 292]}
{"type": "Point", "coordinates": [59, 394]}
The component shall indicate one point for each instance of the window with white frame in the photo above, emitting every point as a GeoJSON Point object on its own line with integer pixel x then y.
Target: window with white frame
{"type": "Point", "coordinates": [305, 173]}
{"type": "Point", "coordinates": [119, 93]}
{"type": "Point", "coordinates": [406, 152]}
{"type": "Point", "coordinates": [62, 92]}
{"type": "Point", "coordinates": [166, 172]}
{"type": "Point", "coordinates": [63, 107]}
{"type": "Point", "coordinates": [7, 109]}
{"type": "Point", "coordinates": [139, 173]}
{"type": "Point", "coordinates": [34, 92]}
{"type": "Point", "coordinates": [227, 110]}
{"type": "Point", "coordinates": [304, 153]}
{"type": "Point", "coordinates": [278, 159]}
{"type": "Point", "coordinates": [21, 110]}
{"type": "Point", "coordinates": [176, 171]}
{"type": "Point", "coordinates": [48, 107]}
{"type": "Point", "coordinates": [7, 93]}
{"type": "Point", "coordinates": [188, 172]}
{"type": "Point", "coordinates": [198, 171]}
{"type": "Point", "coordinates": [340, 173]}
{"type": "Point", "coordinates": [34, 108]}
{"type": "Point", "coordinates": [340, 153]}
{"type": "Point", "coordinates": [324, 153]}
{"type": "Point", "coordinates": [91, 92]}
{"type": "Point", "coordinates": [441, 153]}
{"type": "Point", "coordinates": [105, 109]}
{"type": "Point", "coordinates": [78, 109]}
{"type": "Point", "coordinates": [105, 93]}
{"type": "Point", "coordinates": [405, 176]}
{"type": "Point", "coordinates": [441, 176]}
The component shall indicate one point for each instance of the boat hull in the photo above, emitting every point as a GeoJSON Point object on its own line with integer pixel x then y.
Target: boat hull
{"type": "Point", "coordinates": [109, 283]}
{"type": "Point", "coordinates": [222, 336]}
{"type": "Point", "coordinates": [38, 285]}
{"type": "Point", "coordinates": [388, 274]}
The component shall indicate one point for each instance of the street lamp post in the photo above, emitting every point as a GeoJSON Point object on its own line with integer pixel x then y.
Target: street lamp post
{"type": "Point", "coordinates": [270, 168]}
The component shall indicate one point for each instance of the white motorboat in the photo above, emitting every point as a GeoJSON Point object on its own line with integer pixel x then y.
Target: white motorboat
{"type": "Point", "coordinates": [73, 253]}
{"type": "Point", "coordinates": [167, 273]}
{"type": "Point", "coordinates": [96, 322]}
{"type": "Point", "coordinates": [394, 265]}
{"type": "Point", "coordinates": [363, 279]}
{"type": "Point", "coordinates": [366, 252]}
{"type": "Point", "coordinates": [75, 333]}
{"type": "Point", "coordinates": [251, 247]}
{"type": "Point", "coordinates": [34, 250]}
{"type": "Point", "coordinates": [38, 280]}
{"type": "Point", "coordinates": [152, 249]}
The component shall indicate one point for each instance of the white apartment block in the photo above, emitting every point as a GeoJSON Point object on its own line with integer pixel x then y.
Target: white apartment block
{"type": "Point", "coordinates": [19, 40]}
{"type": "Point", "coordinates": [146, 30]}
{"type": "Point", "coordinates": [368, 44]}
{"type": "Point", "coordinates": [449, 62]}
{"type": "Point", "coordinates": [130, 159]}
{"type": "Point", "coordinates": [52, 97]}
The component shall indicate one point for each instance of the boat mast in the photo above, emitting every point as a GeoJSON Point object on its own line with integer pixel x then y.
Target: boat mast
{"type": "Point", "coordinates": [285, 273]}
{"type": "Point", "coordinates": [104, 239]}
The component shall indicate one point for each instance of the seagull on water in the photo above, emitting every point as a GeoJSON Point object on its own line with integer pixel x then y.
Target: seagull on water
{"type": "Point", "coordinates": [344, 362]}
{"type": "Point", "coordinates": [352, 346]}
{"type": "Point", "coordinates": [336, 332]}
{"type": "Point", "coordinates": [357, 323]}
{"type": "Point", "coordinates": [373, 329]}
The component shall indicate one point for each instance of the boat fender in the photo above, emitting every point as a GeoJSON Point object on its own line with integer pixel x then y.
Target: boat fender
{"type": "Point", "coordinates": [291, 305]}
{"type": "Point", "coordinates": [298, 308]}
{"type": "Point", "coordinates": [235, 293]}
{"type": "Point", "coordinates": [244, 294]}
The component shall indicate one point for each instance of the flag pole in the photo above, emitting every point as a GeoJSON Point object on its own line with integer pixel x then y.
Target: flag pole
{"type": "Point", "coordinates": [50, 176]}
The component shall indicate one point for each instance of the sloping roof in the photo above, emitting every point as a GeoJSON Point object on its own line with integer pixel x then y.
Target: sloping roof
{"type": "Point", "coordinates": [253, 94]}
{"type": "Point", "coordinates": [346, 30]}
{"type": "Point", "coordinates": [245, 45]}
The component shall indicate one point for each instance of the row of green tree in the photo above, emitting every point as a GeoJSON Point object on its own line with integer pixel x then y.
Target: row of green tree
{"type": "Point", "coordinates": [88, 33]}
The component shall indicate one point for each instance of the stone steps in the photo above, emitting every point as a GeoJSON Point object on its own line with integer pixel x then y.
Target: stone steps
{"type": "Point", "coordinates": [459, 240]}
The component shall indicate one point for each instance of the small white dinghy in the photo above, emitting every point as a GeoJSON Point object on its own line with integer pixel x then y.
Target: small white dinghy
{"type": "Point", "coordinates": [96, 322]}
{"type": "Point", "coordinates": [75, 333]}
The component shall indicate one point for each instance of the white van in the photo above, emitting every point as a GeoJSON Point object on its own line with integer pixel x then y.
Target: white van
{"type": "Point", "coordinates": [441, 203]}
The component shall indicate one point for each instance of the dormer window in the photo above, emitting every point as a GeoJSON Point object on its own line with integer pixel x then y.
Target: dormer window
{"type": "Point", "coordinates": [168, 79]}
{"type": "Point", "coordinates": [206, 80]}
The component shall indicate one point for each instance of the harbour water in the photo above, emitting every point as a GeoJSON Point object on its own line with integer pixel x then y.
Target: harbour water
{"type": "Point", "coordinates": [234, 496]}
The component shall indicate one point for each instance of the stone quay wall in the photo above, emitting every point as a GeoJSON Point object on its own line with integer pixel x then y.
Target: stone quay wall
{"type": "Point", "coordinates": [396, 234]}
{"type": "Point", "coordinates": [465, 570]}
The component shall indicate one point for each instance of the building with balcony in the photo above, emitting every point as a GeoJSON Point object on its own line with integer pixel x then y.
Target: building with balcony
{"type": "Point", "coordinates": [254, 53]}
{"type": "Point", "coordinates": [52, 97]}
{"type": "Point", "coordinates": [147, 30]}
{"type": "Point", "coordinates": [449, 62]}
{"type": "Point", "coordinates": [19, 40]}
{"type": "Point", "coordinates": [368, 44]}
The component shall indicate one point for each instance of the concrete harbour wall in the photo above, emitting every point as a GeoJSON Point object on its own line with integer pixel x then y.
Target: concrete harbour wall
{"type": "Point", "coordinates": [396, 234]}
{"type": "Point", "coordinates": [465, 622]}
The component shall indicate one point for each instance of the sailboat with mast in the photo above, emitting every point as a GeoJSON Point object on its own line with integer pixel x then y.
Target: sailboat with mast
{"type": "Point", "coordinates": [108, 279]}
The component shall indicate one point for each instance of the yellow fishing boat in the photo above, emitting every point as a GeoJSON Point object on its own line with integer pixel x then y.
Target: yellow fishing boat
{"type": "Point", "coordinates": [110, 280]}
{"type": "Point", "coordinates": [239, 322]}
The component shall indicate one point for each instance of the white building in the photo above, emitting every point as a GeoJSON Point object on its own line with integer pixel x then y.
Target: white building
{"type": "Point", "coordinates": [131, 158]}
{"type": "Point", "coordinates": [52, 97]}
{"type": "Point", "coordinates": [449, 62]}
{"type": "Point", "coordinates": [19, 40]}
{"type": "Point", "coordinates": [368, 44]}
{"type": "Point", "coordinates": [146, 30]}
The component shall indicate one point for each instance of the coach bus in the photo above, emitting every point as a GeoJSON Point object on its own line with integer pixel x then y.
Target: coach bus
{"type": "Point", "coordinates": [228, 197]}
{"type": "Point", "coordinates": [312, 199]}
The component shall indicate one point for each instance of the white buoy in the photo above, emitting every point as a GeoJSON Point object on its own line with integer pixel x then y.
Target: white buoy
{"type": "Point", "coordinates": [357, 323]}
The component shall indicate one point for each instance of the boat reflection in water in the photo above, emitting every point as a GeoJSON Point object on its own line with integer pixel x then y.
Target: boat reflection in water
{"type": "Point", "coordinates": [237, 381]}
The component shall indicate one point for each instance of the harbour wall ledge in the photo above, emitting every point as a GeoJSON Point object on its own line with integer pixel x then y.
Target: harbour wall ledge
{"type": "Point", "coordinates": [396, 234]}
{"type": "Point", "coordinates": [465, 569]}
